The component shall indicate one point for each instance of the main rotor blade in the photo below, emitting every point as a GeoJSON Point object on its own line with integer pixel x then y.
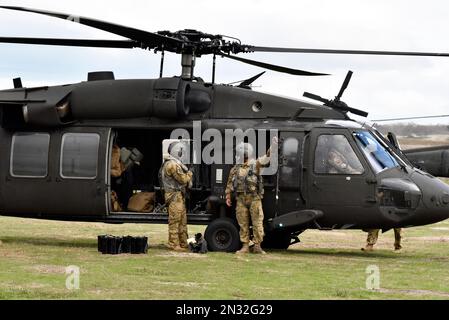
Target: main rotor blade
{"type": "Point", "coordinates": [151, 40]}
{"type": "Point", "coordinates": [123, 44]}
{"type": "Point", "coordinates": [345, 84]}
{"type": "Point", "coordinates": [274, 67]}
{"type": "Point", "coordinates": [337, 51]}
{"type": "Point", "coordinates": [412, 118]}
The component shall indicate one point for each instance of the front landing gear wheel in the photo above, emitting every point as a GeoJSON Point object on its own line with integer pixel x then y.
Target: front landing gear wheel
{"type": "Point", "coordinates": [222, 234]}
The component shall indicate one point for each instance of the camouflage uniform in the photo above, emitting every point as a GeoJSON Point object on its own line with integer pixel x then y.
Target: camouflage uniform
{"type": "Point", "coordinates": [373, 235]}
{"type": "Point", "coordinates": [246, 182]}
{"type": "Point", "coordinates": [175, 178]}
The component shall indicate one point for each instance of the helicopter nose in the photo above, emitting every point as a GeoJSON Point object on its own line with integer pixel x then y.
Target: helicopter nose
{"type": "Point", "coordinates": [434, 206]}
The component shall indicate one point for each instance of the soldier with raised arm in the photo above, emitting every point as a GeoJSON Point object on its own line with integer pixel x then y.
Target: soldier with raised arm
{"type": "Point", "coordinates": [245, 181]}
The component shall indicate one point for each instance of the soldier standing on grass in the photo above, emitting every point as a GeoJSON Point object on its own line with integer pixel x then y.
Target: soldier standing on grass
{"type": "Point", "coordinates": [245, 181]}
{"type": "Point", "coordinates": [175, 179]}
{"type": "Point", "coordinates": [373, 235]}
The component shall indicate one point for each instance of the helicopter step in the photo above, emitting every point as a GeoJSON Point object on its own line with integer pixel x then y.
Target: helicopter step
{"type": "Point", "coordinates": [155, 218]}
{"type": "Point", "coordinates": [294, 219]}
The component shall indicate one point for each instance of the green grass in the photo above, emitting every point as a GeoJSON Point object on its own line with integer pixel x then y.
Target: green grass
{"type": "Point", "coordinates": [325, 265]}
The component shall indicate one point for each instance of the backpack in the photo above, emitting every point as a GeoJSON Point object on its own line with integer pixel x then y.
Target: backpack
{"type": "Point", "coordinates": [117, 166]}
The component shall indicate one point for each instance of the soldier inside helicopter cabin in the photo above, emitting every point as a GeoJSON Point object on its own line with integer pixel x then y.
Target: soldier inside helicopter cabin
{"type": "Point", "coordinates": [245, 182]}
{"type": "Point", "coordinates": [176, 178]}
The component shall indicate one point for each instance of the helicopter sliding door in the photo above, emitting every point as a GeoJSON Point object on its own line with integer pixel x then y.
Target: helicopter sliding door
{"type": "Point", "coordinates": [82, 174]}
{"type": "Point", "coordinates": [339, 178]}
{"type": "Point", "coordinates": [56, 173]}
{"type": "Point", "coordinates": [289, 174]}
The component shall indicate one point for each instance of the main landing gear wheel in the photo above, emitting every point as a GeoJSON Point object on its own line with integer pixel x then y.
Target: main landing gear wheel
{"type": "Point", "coordinates": [222, 234]}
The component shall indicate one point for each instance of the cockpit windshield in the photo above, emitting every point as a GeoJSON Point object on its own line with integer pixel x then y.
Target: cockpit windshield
{"type": "Point", "coordinates": [379, 157]}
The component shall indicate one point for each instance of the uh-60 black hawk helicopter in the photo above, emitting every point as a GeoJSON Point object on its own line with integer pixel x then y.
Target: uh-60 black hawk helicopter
{"type": "Point", "coordinates": [56, 146]}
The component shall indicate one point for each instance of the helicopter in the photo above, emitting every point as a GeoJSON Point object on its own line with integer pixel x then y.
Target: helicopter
{"type": "Point", "coordinates": [57, 143]}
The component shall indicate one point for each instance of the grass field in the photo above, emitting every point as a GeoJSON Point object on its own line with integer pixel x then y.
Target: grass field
{"type": "Point", "coordinates": [325, 265]}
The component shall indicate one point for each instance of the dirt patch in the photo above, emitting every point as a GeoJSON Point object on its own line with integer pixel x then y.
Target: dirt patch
{"type": "Point", "coordinates": [35, 285]}
{"type": "Point", "coordinates": [416, 292]}
{"type": "Point", "coordinates": [182, 255]}
{"type": "Point", "coordinates": [431, 239]}
{"type": "Point", "coordinates": [183, 284]}
{"type": "Point", "coordinates": [327, 245]}
{"type": "Point", "coordinates": [14, 255]}
{"type": "Point", "coordinates": [440, 228]}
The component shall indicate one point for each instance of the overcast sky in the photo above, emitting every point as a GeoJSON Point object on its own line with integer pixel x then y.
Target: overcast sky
{"type": "Point", "coordinates": [383, 86]}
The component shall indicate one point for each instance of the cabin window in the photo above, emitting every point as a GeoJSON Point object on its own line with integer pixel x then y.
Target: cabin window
{"type": "Point", "coordinates": [79, 155]}
{"type": "Point", "coordinates": [289, 177]}
{"type": "Point", "coordinates": [29, 155]}
{"type": "Point", "coordinates": [334, 155]}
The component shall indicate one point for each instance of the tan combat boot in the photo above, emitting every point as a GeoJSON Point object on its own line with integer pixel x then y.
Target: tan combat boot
{"type": "Point", "coordinates": [179, 249]}
{"type": "Point", "coordinates": [245, 249]}
{"type": "Point", "coordinates": [369, 247]}
{"type": "Point", "coordinates": [258, 249]}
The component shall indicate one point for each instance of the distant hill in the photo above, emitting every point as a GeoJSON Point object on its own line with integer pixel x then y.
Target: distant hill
{"type": "Point", "coordinates": [413, 130]}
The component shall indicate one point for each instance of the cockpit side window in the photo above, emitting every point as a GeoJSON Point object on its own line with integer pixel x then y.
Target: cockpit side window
{"type": "Point", "coordinates": [334, 155]}
{"type": "Point", "coordinates": [378, 156]}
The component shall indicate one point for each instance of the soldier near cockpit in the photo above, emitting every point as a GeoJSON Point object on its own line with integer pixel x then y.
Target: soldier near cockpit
{"type": "Point", "coordinates": [175, 180]}
{"type": "Point", "coordinates": [245, 182]}
{"type": "Point", "coordinates": [373, 235]}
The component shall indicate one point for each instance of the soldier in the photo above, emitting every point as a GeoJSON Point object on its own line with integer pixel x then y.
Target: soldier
{"type": "Point", "coordinates": [373, 235]}
{"type": "Point", "coordinates": [339, 164]}
{"type": "Point", "coordinates": [175, 179]}
{"type": "Point", "coordinates": [246, 183]}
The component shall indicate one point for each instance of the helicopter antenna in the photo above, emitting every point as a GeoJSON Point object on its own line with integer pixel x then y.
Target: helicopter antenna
{"type": "Point", "coordinates": [247, 82]}
{"type": "Point", "coordinates": [17, 83]}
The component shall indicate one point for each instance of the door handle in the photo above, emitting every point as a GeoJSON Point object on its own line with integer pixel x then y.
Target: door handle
{"type": "Point", "coordinates": [315, 184]}
{"type": "Point", "coordinates": [371, 200]}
